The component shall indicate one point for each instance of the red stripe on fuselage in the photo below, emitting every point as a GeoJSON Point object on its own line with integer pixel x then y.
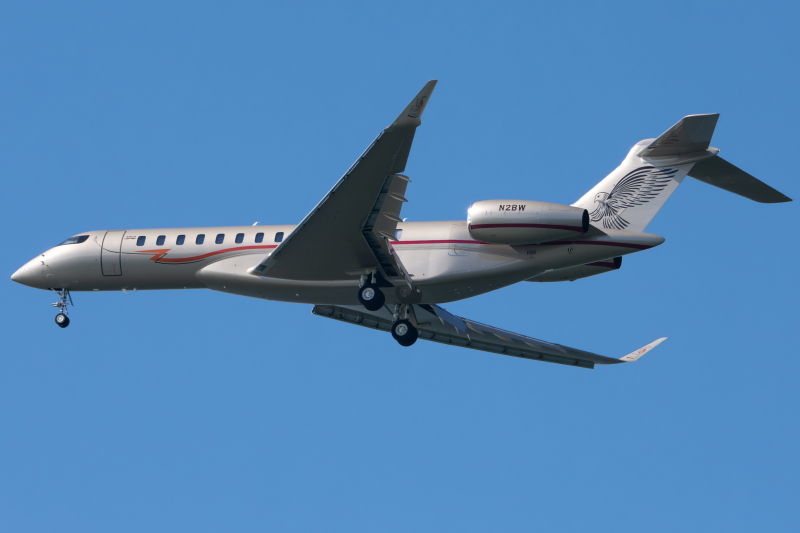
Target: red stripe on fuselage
{"type": "Point", "coordinates": [545, 226]}
{"type": "Point", "coordinates": [394, 243]}
{"type": "Point", "coordinates": [606, 243]}
{"type": "Point", "coordinates": [551, 243]}
{"type": "Point", "coordinates": [159, 254]}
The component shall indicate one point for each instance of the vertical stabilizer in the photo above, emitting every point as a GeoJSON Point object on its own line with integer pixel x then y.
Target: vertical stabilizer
{"type": "Point", "coordinates": [632, 194]}
{"type": "Point", "coordinates": [630, 197]}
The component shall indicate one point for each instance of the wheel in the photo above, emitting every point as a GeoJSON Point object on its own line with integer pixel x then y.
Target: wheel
{"type": "Point", "coordinates": [62, 320]}
{"type": "Point", "coordinates": [404, 333]}
{"type": "Point", "coordinates": [371, 297]}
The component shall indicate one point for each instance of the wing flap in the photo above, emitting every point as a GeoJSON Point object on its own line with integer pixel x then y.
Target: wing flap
{"type": "Point", "coordinates": [382, 223]}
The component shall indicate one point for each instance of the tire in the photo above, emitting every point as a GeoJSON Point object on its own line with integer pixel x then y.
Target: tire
{"type": "Point", "coordinates": [62, 320]}
{"type": "Point", "coordinates": [404, 333]}
{"type": "Point", "coordinates": [371, 297]}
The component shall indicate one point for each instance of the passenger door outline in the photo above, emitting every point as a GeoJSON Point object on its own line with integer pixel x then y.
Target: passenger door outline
{"type": "Point", "coordinates": [110, 256]}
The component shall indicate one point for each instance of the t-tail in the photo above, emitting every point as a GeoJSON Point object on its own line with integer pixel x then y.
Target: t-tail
{"type": "Point", "coordinates": [632, 194]}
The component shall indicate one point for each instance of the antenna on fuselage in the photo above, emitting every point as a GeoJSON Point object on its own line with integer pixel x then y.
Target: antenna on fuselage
{"type": "Point", "coordinates": [255, 223]}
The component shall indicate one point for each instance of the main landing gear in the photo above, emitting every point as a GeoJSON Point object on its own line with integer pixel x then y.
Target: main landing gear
{"type": "Point", "coordinates": [62, 320]}
{"type": "Point", "coordinates": [403, 330]}
{"type": "Point", "coordinates": [369, 295]}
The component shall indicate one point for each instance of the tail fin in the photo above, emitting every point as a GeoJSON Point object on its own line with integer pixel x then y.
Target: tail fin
{"type": "Point", "coordinates": [635, 191]}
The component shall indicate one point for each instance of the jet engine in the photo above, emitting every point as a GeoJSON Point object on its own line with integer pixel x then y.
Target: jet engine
{"type": "Point", "coordinates": [525, 222]}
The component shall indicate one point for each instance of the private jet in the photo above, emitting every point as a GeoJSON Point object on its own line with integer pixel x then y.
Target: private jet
{"type": "Point", "coordinates": [357, 261]}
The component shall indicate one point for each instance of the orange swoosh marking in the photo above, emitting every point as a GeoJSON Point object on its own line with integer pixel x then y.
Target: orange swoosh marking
{"type": "Point", "coordinates": [159, 254]}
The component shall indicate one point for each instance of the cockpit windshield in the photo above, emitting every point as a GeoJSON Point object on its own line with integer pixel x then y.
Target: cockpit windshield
{"type": "Point", "coordinates": [75, 240]}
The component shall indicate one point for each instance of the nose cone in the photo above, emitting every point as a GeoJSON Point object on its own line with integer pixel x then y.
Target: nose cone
{"type": "Point", "coordinates": [28, 275]}
{"type": "Point", "coordinates": [21, 275]}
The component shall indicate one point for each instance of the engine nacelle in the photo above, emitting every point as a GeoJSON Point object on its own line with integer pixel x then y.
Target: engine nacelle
{"type": "Point", "coordinates": [525, 222]}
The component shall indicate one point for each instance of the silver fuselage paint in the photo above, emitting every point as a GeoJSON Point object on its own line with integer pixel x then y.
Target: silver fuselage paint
{"type": "Point", "coordinates": [446, 263]}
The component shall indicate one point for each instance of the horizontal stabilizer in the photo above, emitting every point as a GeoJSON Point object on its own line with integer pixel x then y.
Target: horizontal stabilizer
{"type": "Point", "coordinates": [691, 134]}
{"type": "Point", "coordinates": [633, 356]}
{"type": "Point", "coordinates": [719, 173]}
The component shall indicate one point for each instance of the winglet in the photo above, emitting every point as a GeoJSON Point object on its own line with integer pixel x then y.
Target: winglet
{"type": "Point", "coordinates": [413, 112]}
{"type": "Point", "coordinates": [633, 356]}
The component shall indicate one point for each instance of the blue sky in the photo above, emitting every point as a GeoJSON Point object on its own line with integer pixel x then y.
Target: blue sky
{"type": "Point", "coordinates": [201, 411]}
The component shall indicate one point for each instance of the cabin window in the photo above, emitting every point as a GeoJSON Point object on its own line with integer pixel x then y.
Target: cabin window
{"type": "Point", "coordinates": [220, 238]}
{"type": "Point", "coordinates": [160, 240]}
{"type": "Point", "coordinates": [259, 237]}
{"type": "Point", "coordinates": [239, 238]}
{"type": "Point", "coordinates": [180, 239]}
{"type": "Point", "coordinates": [75, 240]}
{"type": "Point", "coordinates": [200, 238]}
{"type": "Point", "coordinates": [279, 236]}
{"type": "Point", "coordinates": [140, 241]}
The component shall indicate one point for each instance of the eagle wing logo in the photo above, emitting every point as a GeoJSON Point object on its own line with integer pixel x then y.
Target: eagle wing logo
{"type": "Point", "coordinates": [416, 109]}
{"type": "Point", "coordinates": [637, 187]}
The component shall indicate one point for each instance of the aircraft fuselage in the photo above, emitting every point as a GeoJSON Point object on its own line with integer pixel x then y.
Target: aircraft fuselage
{"type": "Point", "coordinates": [445, 262]}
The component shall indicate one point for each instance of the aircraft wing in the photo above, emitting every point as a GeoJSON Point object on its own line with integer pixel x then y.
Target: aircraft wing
{"type": "Point", "coordinates": [348, 230]}
{"type": "Point", "coordinates": [437, 325]}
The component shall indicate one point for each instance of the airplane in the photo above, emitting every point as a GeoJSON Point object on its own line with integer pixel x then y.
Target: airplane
{"type": "Point", "coordinates": [357, 261]}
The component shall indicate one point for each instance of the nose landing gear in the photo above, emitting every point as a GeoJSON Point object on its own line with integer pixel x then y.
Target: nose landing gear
{"type": "Point", "coordinates": [62, 320]}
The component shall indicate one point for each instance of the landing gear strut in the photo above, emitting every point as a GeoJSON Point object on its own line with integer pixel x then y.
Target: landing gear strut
{"type": "Point", "coordinates": [61, 318]}
{"type": "Point", "coordinates": [402, 330]}
{"type": "Point", "coordinates": [369, 295]}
